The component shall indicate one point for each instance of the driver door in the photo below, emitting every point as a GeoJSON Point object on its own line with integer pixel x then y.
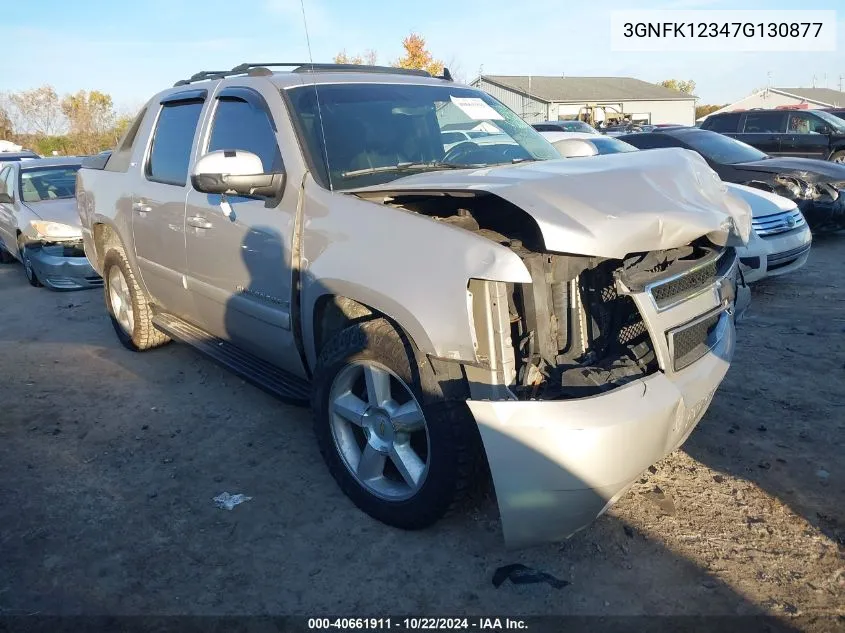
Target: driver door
{"type": "Point", "coordinates": [239, 262]}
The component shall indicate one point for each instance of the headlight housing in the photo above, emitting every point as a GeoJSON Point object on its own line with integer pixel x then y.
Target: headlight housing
{"type": "Point", "coordinates": [55, 230]}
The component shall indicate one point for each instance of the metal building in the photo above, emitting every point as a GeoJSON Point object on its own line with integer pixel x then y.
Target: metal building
{"type": "Point", "coordinates": [551, 98]}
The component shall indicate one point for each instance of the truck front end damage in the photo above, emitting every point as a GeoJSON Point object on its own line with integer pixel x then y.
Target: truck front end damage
{"type": "Point", "coordinates": [603, 358]}
{"type": "Point", "coordinates": [601, 367]}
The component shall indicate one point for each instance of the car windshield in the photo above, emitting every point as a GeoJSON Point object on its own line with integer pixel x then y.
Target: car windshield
{"type": "Point", "coordinates": [836, 124]}
{"type": "Point", "coordinates": [48, 183]}
{"type": "Point", "coordinates": [608, 145]}
{"type": "Point", "coordinates": [721, 149]}
{"type": "Point", "coordinates": [375, 133]}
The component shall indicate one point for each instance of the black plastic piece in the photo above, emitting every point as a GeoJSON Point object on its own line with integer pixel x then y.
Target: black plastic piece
{"type": "Point", "coordinates": [262, 374]}
{"type": "Point", "coordinates": [185, 95]}
{"type": "Point", "coordinates": [305, 67]}
{"type": "Point", "coordinates": [98, 161]}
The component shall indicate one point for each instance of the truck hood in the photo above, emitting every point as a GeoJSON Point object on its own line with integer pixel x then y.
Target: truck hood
{"type": "Point", "coordinates": [605, 206]}
{"type": "Point", "coordinates": [62, 210]}
{"type": "Point", "coordinates": [808, 169]}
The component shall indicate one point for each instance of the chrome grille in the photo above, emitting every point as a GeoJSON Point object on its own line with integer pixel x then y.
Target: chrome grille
{"type": "Point", "coordinates": [691, 342]}
{"type": "Point", "coordinates": [778, 223]}
{"type": "Point", "coordinates": [687, 284]}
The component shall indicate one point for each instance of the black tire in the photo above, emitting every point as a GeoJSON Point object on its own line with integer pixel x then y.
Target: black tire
{"type": "Point", "coordinates": [28, 270]}
{"type": "Point", "coordinates": [454, 441]}
{"type": "Point", "coordinates": [838, 157]}
{"type": "Point", "coordinates": [144, 335]}
{"type": "Point", "coordinates": [6, 257]}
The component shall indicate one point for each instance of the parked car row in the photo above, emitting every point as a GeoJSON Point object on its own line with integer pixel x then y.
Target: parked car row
{"type": "Point", "coordinates": [780, 238]}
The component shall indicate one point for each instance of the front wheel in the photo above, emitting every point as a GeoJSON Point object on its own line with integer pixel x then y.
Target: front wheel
{"type": "Point", "coordinates": [28, 270]}
{"type": "Point", "coordinates": [396, 449]}
{"type": "Point", "coordinates": [127, 305]}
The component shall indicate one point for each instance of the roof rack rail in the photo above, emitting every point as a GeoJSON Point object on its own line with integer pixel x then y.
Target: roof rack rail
{"type": "Point", "coordinates": [305, 67]}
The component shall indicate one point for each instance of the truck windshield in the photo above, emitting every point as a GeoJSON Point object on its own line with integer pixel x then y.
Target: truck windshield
{"type": "Point", "coordinates": [375, 133]}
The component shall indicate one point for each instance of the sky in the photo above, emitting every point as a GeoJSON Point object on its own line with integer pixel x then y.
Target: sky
{"type": "Point", "coordinates": [131, 50]}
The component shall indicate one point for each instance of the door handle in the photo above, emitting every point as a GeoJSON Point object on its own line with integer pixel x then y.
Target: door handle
{"type": "Point", "coordinates": [141, 207]}
{"type": "Point", "coordinates": [199, 222]}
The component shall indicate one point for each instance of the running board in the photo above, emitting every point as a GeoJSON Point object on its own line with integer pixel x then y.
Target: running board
{"type": "Point", "coordinates": [262, 374]}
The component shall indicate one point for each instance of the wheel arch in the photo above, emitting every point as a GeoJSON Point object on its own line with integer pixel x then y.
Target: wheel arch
{"type": "Point", "coordinates": [327, 312]}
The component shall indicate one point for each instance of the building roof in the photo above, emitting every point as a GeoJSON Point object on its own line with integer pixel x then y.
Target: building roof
{"type": "Point", "coordinates": [826, 96]}
{"type": "Point", "coordinates": [585, 89]}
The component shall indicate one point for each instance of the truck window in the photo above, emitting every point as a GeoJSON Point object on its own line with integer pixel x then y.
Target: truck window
{"type": "Point", "coordinates": [722, 123]}
{"type": "Point", "coordinates": [122, 155]}
{"type": "Point", "coordinates": [765, 122]}
{"type": "Point", "coordinates": [241, 125]}
{"type": "Point", "coordinates": [173, 138]}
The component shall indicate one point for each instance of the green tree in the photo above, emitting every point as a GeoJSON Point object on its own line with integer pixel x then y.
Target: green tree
{"type": "Point", "coordinates": [680, 85]}
{"type": "Point", "coordinates": [418, 57]}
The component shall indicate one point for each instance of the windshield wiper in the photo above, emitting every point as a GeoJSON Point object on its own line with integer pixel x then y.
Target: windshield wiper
{"type": "Point", "coordinates": [433, 166]}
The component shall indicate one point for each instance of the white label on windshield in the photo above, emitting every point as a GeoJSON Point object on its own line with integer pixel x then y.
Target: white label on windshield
{"type": "Point", "coordinates": [476, 109]}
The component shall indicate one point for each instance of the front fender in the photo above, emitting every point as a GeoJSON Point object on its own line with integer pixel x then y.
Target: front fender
{"type": "Point", "coordinates": [405, 265]}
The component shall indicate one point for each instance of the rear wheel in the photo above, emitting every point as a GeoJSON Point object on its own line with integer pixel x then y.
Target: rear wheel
{"type": "Point", "coordinates": [128, 306]}
{"type": "Point", "coordinates": [28, 270]}
{"type": "Point", "coordinates": [838, 157]}
{"type": "Point", "coordinates": [398, 450]}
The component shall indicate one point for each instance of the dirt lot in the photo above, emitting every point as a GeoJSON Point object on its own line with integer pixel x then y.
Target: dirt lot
{"type": "Point", "coordinates": [109, 462]}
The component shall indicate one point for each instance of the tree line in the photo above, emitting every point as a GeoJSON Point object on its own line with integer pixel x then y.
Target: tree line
{"type": "Point", "coordinates": [73, 124]}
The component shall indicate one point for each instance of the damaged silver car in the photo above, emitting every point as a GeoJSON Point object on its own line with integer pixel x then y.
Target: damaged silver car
{"type": "Point", "coordinates": [39, 225]}
{"type": "Point", "coordinates": [564, 323]}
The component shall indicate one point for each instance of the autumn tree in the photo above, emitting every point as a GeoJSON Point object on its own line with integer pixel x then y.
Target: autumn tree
{"type": "Point", "coordinates": [370, 58]}
{"type": "Point", "coordinates": [704, 110]}
{"type": "Point", "coordinates": [6, 127]}
{"type": "Point", "coordinates": [687, 87]}
{"type": "Point", "coordinates": [418, 57]}
{"type": "Point", "coordinates": [89, 112]}
{"type": "Point", "coordinates": [38, 110]}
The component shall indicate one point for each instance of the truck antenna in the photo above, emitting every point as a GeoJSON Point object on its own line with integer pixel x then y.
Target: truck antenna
{"type": "Point", "coordinates": [317, 98]}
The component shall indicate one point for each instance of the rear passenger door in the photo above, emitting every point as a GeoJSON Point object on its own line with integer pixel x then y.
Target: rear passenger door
{"type": "Point", "coordinates": [804, 136]}
{"type": "Point", "coordinates": [764, 130]}
{"type": "Point", "coordinates": [240, 273]}
{"type": "Point", "coordinates": [158, 204]}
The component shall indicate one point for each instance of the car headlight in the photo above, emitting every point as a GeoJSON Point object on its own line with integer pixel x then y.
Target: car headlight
{"type": "Point", "coordinates": [55, 230]}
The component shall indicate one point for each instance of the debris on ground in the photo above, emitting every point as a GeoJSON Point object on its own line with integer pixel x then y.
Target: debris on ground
{"type": "Point", "coordinates": [226, 501]}
{"type": "Point", "coordinates": [519, 574]}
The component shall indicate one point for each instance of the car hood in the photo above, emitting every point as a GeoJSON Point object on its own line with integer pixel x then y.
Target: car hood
{"type": "Point", "coordinates": [808, 169]}
{"type": "Point", "coordinates": [605, 206]}
{"type": "Point", "coordinates": [762, 203]}
{"type": "Point", "coordinates": [62, 210]}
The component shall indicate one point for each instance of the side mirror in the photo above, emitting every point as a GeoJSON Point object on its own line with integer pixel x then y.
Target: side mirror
{"type": "Point", "coordinates": [5, 198]}
{"type": "Point", "coordinates": [824, 130]}
{"type": "Point", "coordinates": [236, 172]}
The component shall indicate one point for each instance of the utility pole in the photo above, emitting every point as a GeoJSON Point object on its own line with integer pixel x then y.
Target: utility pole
{"type": "Point", "coordinates": [814, 81]}
{"type": "Point", "coordinates": [840, 82]}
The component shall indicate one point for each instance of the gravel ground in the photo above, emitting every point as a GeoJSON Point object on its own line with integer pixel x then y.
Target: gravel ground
{"type": "Point", "coordinates": [109, 461]}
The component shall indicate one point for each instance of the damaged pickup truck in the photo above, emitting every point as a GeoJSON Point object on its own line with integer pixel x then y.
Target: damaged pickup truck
{"type": "Point", "coordinates": [563, 322]}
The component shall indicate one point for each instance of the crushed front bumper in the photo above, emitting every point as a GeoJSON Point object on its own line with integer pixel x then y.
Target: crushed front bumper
{"type": "Point", "coordinates": [559, 464]}
{"type": "Point", "coordinates": [63, 267]}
